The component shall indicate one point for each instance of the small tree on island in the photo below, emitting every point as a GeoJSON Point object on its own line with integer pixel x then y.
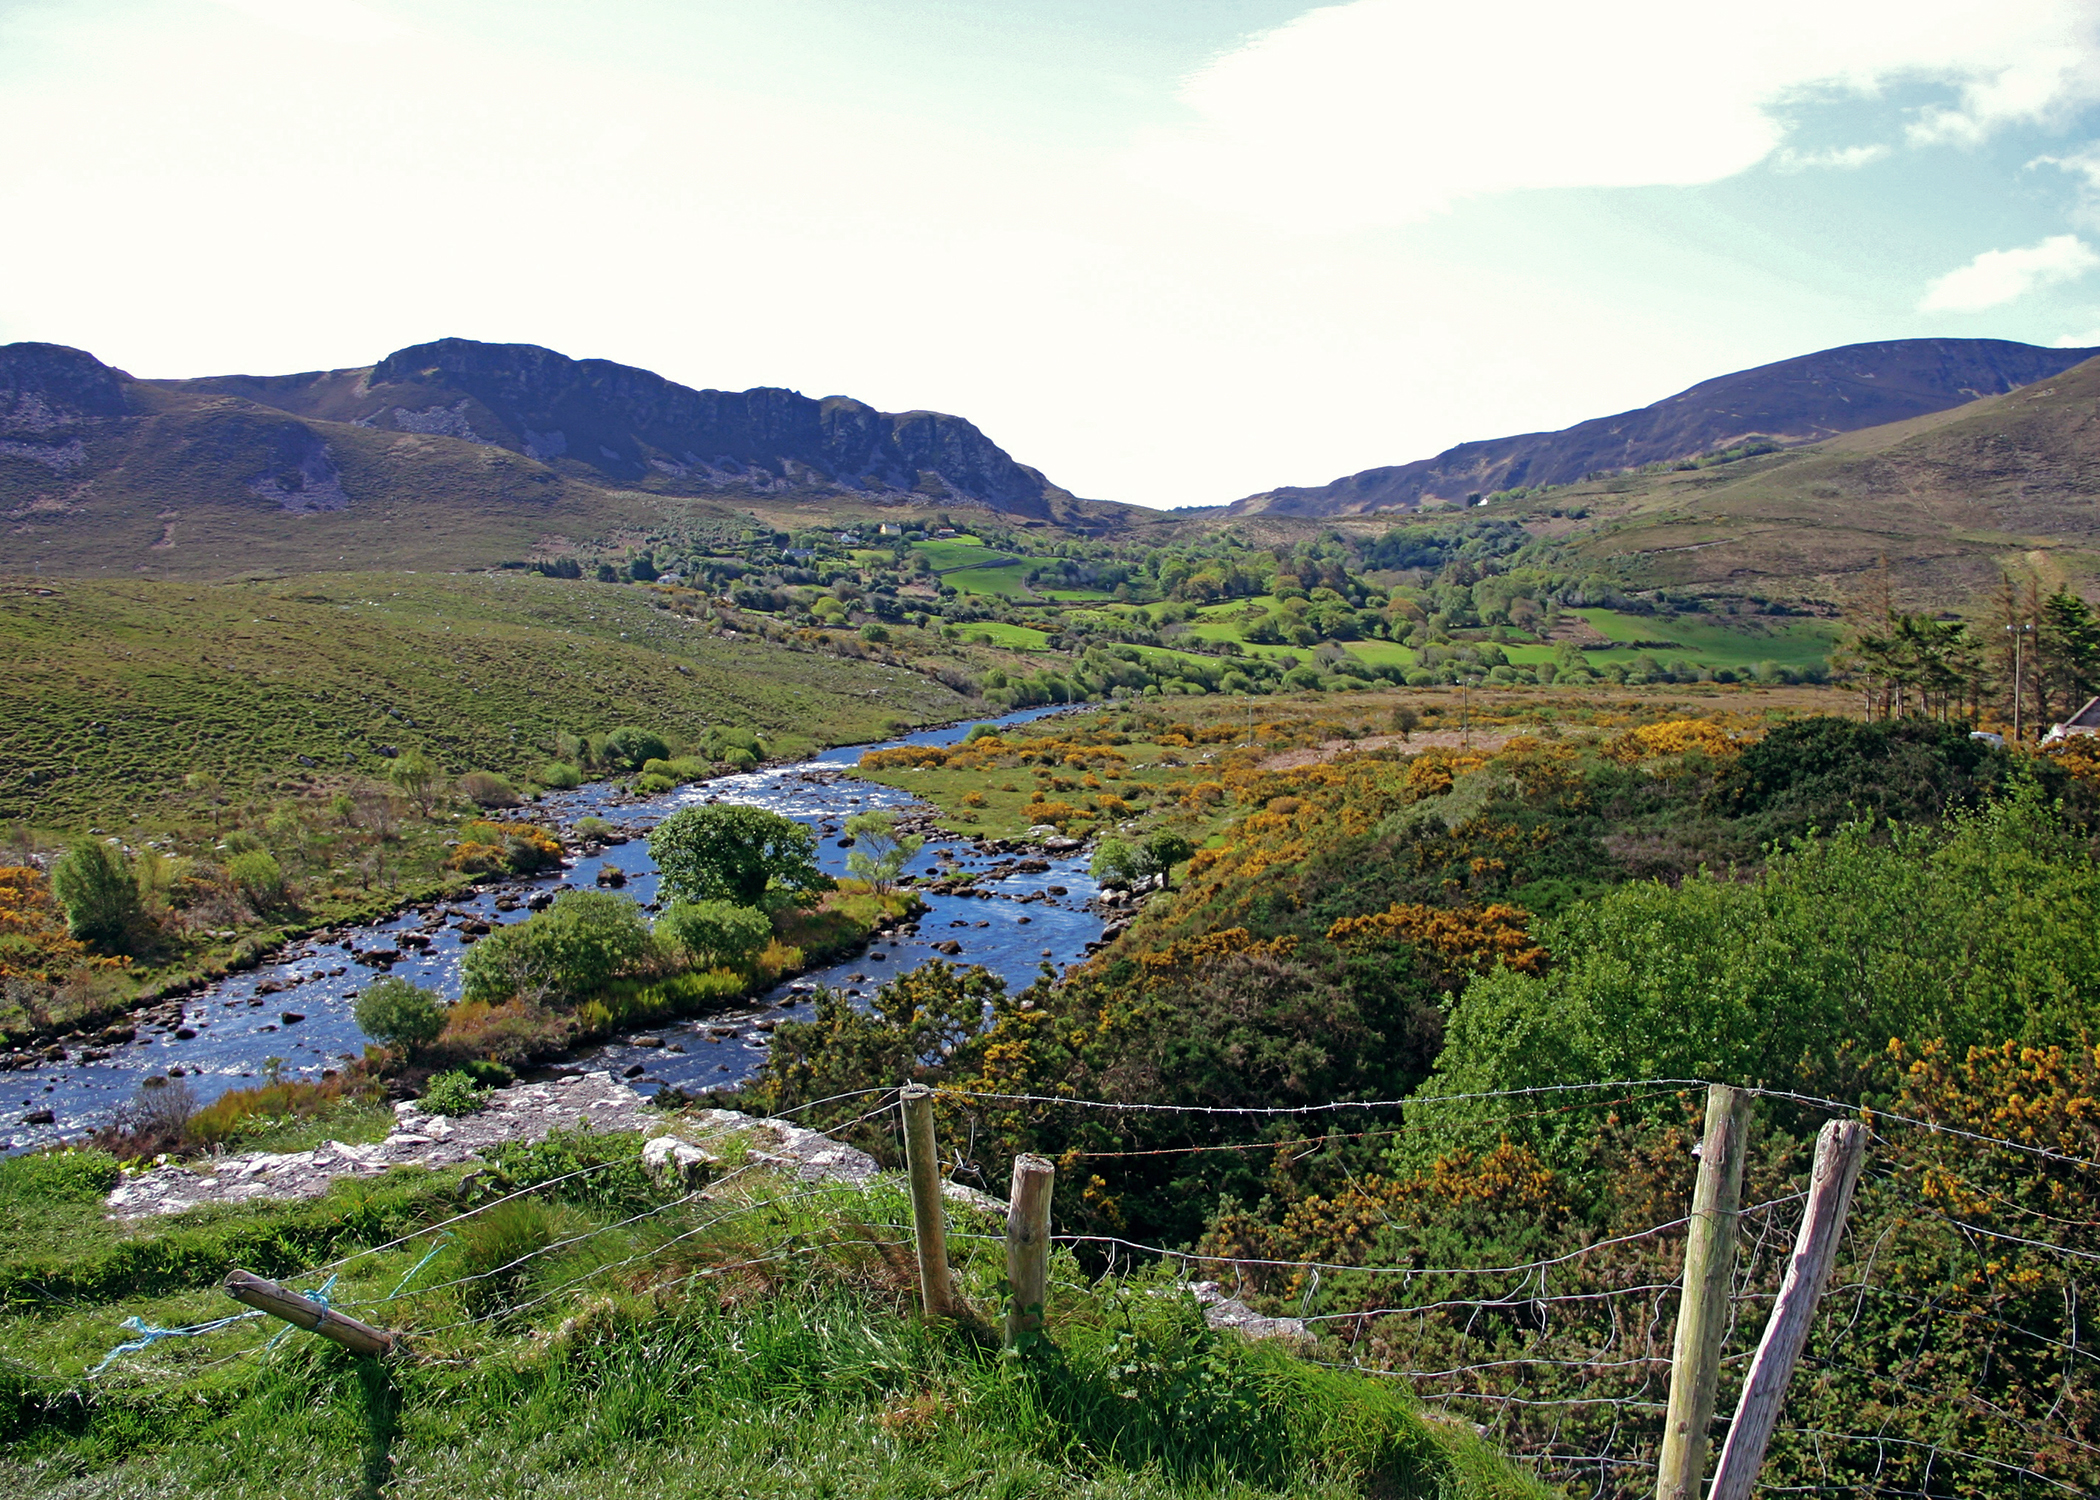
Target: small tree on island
{"type": "Point", "coordinates": [885, 851]}
{"type": "Point", "coordinates": [728, 853]}
{"type": "Point", "coordinates": [398, 1014]}
{"type": "Point", "coordinates": [717, 931]}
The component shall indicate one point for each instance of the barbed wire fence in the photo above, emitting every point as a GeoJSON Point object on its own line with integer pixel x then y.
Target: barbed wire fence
{"type": "Point", "coordinates": [1982, 1379]}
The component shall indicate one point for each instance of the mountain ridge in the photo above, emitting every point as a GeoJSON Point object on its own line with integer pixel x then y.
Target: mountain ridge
{"type": "Point", "coordinates": [1789, 402]}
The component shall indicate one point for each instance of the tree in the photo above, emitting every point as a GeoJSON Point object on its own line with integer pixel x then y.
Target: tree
{"type": "Point", "coordinates": [717, 931]}
{"type": "Point", "coordinates": [884, 852]}
{"type": "Point", "coordinates": [1117, 860]}
{"type": "Point", "coordinates": [1163, 851]}
{"type": "Point", "coordinates": [728, 853]}
{"type": "Point", "coordinates": [566, 953]}
{"type": "Point", "coordinates": [2068, 650]}
{"type": "Point", "coordinates": [1405, 721]}
{"type": "Point", "coordinates": [398, 1014]}
{"type": "Point", "coordinates": [94, 883]}
{"type": "Point", "coordinates": [416, 775]}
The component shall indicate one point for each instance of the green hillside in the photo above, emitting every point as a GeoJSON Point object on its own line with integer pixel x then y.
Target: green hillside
{"type": "Point", "coordinates": [117, 689]}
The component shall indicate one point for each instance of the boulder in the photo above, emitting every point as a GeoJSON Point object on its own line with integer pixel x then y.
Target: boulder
{"type": "Point", "coordinates": [670, 1160]}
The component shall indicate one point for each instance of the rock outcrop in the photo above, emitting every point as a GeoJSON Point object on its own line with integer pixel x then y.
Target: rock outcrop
{"type": "Point", "coordinates": [523, 1112]}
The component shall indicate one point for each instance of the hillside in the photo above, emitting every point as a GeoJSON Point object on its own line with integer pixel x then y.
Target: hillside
{"type": "Point", "coordinates": [1791, 402]}
{"type": "Point", "coordinates": [1945, 500]}
{"type": "Point", "coordinates": [452, 454]}
{"type": "Point", "coordinates": [116, 690]}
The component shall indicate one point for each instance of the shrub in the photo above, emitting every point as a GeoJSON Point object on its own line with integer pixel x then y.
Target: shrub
{"type": "Point", "coordinates": [256, 875]}
{"type": "Point", "coordinates": [875, 633]}
{"type": "Point", "coordinates": [454, 1093]}
{"type": "Point", "coordinates": [397, 1013]}
{"type": "Point", "coordinates": [651, 785]}
{"type": "Point", "coordinates": [594, 829]}
{"type": "Point", "coordinates": [490, 1075]}
{"type": "Point", "coordinates": [560, 776]}
{"type": "Point", "coordinates": [629, 749]}
{"type": "Point", "coordinates": [486, 789]}
{"type": "Point", "coordinates": [717, 931]}
{"type": "Point", "coordinates": [417, 777]}
{"type": "Point", "coordinates": [520, 848]}
{"type": "Point", "coordinates": [563, 954]}
{"type": "Point", "coordinates": [94, 883]}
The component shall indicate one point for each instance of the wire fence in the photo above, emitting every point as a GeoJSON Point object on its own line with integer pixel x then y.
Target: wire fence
{"type": "Point", "coordinates": [1952, 1357]}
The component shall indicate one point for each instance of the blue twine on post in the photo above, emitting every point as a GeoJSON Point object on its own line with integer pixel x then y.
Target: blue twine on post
{"type": "Point", "coordinates": [320, 1296]}
{"type": "Point", "coordinates": [150, 1335]}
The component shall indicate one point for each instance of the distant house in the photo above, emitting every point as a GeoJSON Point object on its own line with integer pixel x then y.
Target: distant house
{"type": "Point", "coordinates": [799, 554]}
{"type": "Point", "coordinates": [848, 539]}
{"type": "Point", "coordinates": [886, 529]}
{"type": "Point", "coordinates": [2085, 721]}
{"type": "Point", "coordinates": [945, 531]}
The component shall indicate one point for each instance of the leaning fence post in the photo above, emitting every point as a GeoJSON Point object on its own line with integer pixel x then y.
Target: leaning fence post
{"type": "Point", "coordinates": [304, 1312]}
{"type": "Point", "coordinates": [927, 1227]}
{"type": "Point", "coordinates": [1702, 1314]}
{"type": "Point", "coordinates": [1841, 1149]}
{"type": "Point", "coordinates": [1028, 1247]}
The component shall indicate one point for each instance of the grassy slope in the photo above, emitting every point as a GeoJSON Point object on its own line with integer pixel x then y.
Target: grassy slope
{"type": "Point", "coordinates": [1944, 498]}
{"type": "Point", "coordinates": [239, 680]}
{"type": "Point", "coordinates": [756, 1343]}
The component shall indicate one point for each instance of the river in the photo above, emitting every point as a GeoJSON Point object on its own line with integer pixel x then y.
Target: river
{"type": "Point", "coordinates": [228, 1032]}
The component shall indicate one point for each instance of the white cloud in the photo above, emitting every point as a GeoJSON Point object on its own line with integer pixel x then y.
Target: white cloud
{"type": "Point", "coordinates": [324, 20]}
{"type": "Point", "coordinates": [1385, 111]}
{"type": "Point", "coordinates": [1842, 158]}
{"type": "Point", "coordinates": [1997, 277]}
{"type": "Point", "coordinates": [2090, 339]}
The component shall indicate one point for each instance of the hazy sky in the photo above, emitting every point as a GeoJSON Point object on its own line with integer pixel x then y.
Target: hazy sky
{"type": "Point", "coordinates": [1168, 251]}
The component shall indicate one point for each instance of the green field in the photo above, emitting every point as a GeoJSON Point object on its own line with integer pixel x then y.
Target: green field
{"type": "Point", "coordinates": [956, 552]}
{"type": "Point", "coordinates": [116, 690]}
{"type": "Point", "coordinates": [1013, 637]}
{"type": "Point", "coordinates": [1009, 581]}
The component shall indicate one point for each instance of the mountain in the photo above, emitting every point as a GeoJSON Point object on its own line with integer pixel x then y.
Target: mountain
{"type": "Point", "coordinates": [448, 454]}
{"type": "Point", "coordinates": [1945, 501]}
{"type": "Point", "coordinates": [1792, 402]}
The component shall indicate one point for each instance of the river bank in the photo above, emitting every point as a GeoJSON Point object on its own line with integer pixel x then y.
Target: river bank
{"type": "Point", "coordinates": [984, 903]}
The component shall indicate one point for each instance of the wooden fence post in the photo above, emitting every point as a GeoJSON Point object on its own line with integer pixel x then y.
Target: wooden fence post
{"type": "Point", "coordinates": [304, 1312]}
{"type": "Point", "coordinates": [1028, 1247]}
{"type": "Point", "coordinates": [1841, 1149]}
{"type": "Point", "coordinates": [927, 1226]}
{"type": "Point", "coordinates": [1702, 1313]}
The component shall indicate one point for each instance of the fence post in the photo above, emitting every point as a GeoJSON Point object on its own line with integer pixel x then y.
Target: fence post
{"type": "Point", "coordinates": [304, 1312]}
{"type": "Point", "coordinates": [927, 1226]}
{"type": "Point", "coordinates": [1841, 1149]}
{"type": "Point", "coordinates": [1028, 1247]}
{"type": "Point", "coordinates": [1702, 1313]}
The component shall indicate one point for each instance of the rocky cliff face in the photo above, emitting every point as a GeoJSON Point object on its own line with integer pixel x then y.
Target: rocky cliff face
{"type": "Point", "coordinates": [1794, 401]}
{"type": "Point", "coordinates": [597, 419]}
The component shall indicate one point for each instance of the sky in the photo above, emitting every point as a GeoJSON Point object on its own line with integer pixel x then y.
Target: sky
{"type": "Point", "coordinates": [1169, 253]}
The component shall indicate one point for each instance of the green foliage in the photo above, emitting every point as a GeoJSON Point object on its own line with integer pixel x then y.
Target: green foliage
{"type": "Point", "coordinates": [883, 852]}
{"type": "Point", "coordinates": [1117, 860]}
{"type": "Point", "coordinates": [562, 955]}
{"type": "Point", "coordinates": [628, 749]}
{"type": "Point", "coordinates": [417, 775]}
{"type": "Point", "coordinates": [453, 1093]}
{"type": "Point", "coordinates": [1165, 849]}
{"type": "Point", "coordinates": [925, 1013]}
{"type": "Point", "coordinates": [560, 776]}
{"type": "Point", "coordinates": [489, 1075]}
{"type": "Point", "coordinates": [1799, 979]}
{"type": "Point", "coordinates": [1823, 771]}
{"type": "Point", "coordinates": [732, 853]}
{"type": "Point", "coordinates": [94, 883]}
{"type": "Point", "coordinates": [716, 932]}
{"type": "Point", "coordinates": [257, 875]}
{"type": "Point", "coordinates": [601, 1170]}
{"type": "Point", "coordinates": [67, 1176]}
{"type": "Point", "coordinates": [397, 1013]}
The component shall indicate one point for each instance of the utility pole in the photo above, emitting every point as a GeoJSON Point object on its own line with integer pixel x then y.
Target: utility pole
{"type": "Point", "coordinates": [2018, 634]}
